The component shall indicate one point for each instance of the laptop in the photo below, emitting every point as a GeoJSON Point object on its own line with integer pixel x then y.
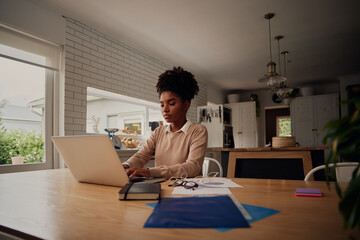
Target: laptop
{"type": "Point", "coordinates": [93, 159]}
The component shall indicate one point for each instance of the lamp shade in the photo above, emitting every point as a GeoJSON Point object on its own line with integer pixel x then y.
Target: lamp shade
{"type": "Point", "coordinates": [271, 78]}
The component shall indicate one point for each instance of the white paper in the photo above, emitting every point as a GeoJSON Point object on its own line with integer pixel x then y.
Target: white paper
{"type": "Point", "coordinates": [201, 190]}
{"type": "Point", "coordinates": [214, 182]}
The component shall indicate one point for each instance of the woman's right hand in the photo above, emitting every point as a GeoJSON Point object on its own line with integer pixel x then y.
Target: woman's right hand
{"type": "Point", "coordinates": [138, 172]}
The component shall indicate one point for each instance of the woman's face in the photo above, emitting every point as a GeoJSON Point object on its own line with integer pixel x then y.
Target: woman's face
{"type": "Point", "coordinates": [173, 108]}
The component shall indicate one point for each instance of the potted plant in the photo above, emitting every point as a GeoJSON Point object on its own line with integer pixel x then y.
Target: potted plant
{"type": "Point", "coordinates": [14, 151]}
{"type": "Point", "coordinates": [16, 158]}
{"type": "Point", "coordinates": [342, 137]}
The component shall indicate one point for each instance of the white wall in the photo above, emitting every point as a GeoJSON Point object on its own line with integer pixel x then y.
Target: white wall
{"type": "Point", "coordinates": [96, 60]}
{"type": "Point", "coordinates": [30, 17]}
{"type": "Point", "coordinates": [104, 107]}
{"type": "Point", "coordinates": [215, 94]}
{"type": "Point", "coordinates": [91, 59]}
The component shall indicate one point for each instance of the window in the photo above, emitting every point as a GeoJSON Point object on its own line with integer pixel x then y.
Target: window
{"type": "Point", "coordinates": [29, 70]}
{"type": "Point", "coordinates": [134, 118]}
{"type": "Point", "coordinates": [283, 126]}
{"type": "Point", "coordinates": [134, 125]}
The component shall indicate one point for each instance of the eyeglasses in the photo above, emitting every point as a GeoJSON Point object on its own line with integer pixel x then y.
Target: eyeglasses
{"type": "Point", "coordinates": [186, 184]}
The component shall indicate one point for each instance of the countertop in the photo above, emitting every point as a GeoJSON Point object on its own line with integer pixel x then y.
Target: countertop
{"type": "Point", "coordinates": [267, 149]}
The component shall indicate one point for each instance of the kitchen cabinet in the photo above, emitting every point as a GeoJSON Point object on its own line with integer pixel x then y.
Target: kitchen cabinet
{"type": "Point", "coordinates": [216, 118]}
{"type": "Point", "coordinates": [309, 115]}
{"type": "Point", "coordinates": [245, 124]}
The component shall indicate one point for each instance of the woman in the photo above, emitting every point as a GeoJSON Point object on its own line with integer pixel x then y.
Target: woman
{"type": "Point", "coordinates": [180, 147]}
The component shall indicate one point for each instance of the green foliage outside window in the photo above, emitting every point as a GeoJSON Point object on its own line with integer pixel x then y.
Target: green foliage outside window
{"type": "Point", "coordinates": [5, 148]}
{"type": "Point", "coordinates": [13, 143]}
{"type": "Point", "coordinates": [19, 143]}
{"type": "Point", "coordinates": [2, 105]}
{"type": "Point", "coordinates": [284, 127]}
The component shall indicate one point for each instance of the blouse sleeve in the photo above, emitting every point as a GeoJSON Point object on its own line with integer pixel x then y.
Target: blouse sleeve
{"type": "Point", "coordinates": [193, 164]}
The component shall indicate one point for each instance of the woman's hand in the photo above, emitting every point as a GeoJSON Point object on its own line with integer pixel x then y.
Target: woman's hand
{"type": "Point", "coordinates": [138, 172]}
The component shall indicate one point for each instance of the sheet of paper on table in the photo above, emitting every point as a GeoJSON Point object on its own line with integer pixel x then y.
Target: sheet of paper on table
{"type": "Point", "coordinates": [201, 190]}
{"type": "Point", "coordinates": [214, 182]}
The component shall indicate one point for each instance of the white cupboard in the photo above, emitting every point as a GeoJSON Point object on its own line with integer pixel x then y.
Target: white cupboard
{"type": "Point", "coordinates": [215, 118]}
{"type": "Point", "coordinates": [309, 115]}
{"type": "Point", "coordinates": [245, 124]}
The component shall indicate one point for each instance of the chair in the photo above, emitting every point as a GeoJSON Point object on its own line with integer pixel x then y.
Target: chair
{"type": "Point", "coordinates": [341, 176]}
{"type": "Point", "coordinates": [206, 165]}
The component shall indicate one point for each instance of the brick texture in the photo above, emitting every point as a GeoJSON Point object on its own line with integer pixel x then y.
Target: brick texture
{"type": "Point", "coordinates": [93, 59]}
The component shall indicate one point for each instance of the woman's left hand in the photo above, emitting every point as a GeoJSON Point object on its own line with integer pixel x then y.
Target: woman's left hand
{"type": "Point", "coordinates": [138, 172]}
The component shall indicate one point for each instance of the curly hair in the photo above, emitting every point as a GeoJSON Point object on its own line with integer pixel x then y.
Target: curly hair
{"type": "Point", "coordinates": [178, 81]}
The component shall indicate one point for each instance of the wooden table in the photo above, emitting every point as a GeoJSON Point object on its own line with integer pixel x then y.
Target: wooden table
{"type": "Point", "coordinates": [50, 204]}
{"type": "Point", "coordinates": [303, 153]}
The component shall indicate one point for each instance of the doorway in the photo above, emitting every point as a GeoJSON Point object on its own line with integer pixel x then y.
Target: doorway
{"type": "Point", "coordinates": [277, 122]}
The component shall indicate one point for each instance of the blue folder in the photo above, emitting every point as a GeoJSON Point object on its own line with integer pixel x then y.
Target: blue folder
{"type": "Point", "coordinates": [196, 212]}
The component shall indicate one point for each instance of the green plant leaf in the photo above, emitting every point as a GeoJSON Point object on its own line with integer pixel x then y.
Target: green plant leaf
{"type": "Point", "coordinates": [349, 205]}
{"type": "Point", "coordinates": [338, 189]}
{"type": "Point", "coordinates": [342, 136]}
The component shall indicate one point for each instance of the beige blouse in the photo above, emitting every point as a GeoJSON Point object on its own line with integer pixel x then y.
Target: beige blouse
{"type": "Point", "coordinates": [176, 154]}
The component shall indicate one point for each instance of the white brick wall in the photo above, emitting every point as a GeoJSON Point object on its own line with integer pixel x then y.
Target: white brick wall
{"type": "Point", "coordinates": [93, 59]}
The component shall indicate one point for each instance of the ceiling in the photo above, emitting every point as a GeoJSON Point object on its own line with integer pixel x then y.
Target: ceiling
{"type": "Point", "coordinates": [226, 41]}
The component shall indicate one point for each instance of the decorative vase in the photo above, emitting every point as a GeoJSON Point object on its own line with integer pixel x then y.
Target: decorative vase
{"type": "Point", "coordinates": [17, 160]}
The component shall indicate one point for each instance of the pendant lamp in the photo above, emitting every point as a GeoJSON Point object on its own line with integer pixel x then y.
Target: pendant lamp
{"type": "Point", "coordinates": [283, 91]}
{"type": "Point", "coordinates": [271, 78]}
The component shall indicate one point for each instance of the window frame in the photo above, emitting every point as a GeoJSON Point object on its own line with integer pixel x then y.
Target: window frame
{"type": "Point", "coordinates": [53, 79]}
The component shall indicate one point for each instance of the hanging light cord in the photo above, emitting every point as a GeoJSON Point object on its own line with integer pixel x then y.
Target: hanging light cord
{"type": "Point", "coordinates": [285, 64]}
{"type": "Point", "coordinates": [270, 40]}
{"type": "Point", "coordinates": [279, 55]}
